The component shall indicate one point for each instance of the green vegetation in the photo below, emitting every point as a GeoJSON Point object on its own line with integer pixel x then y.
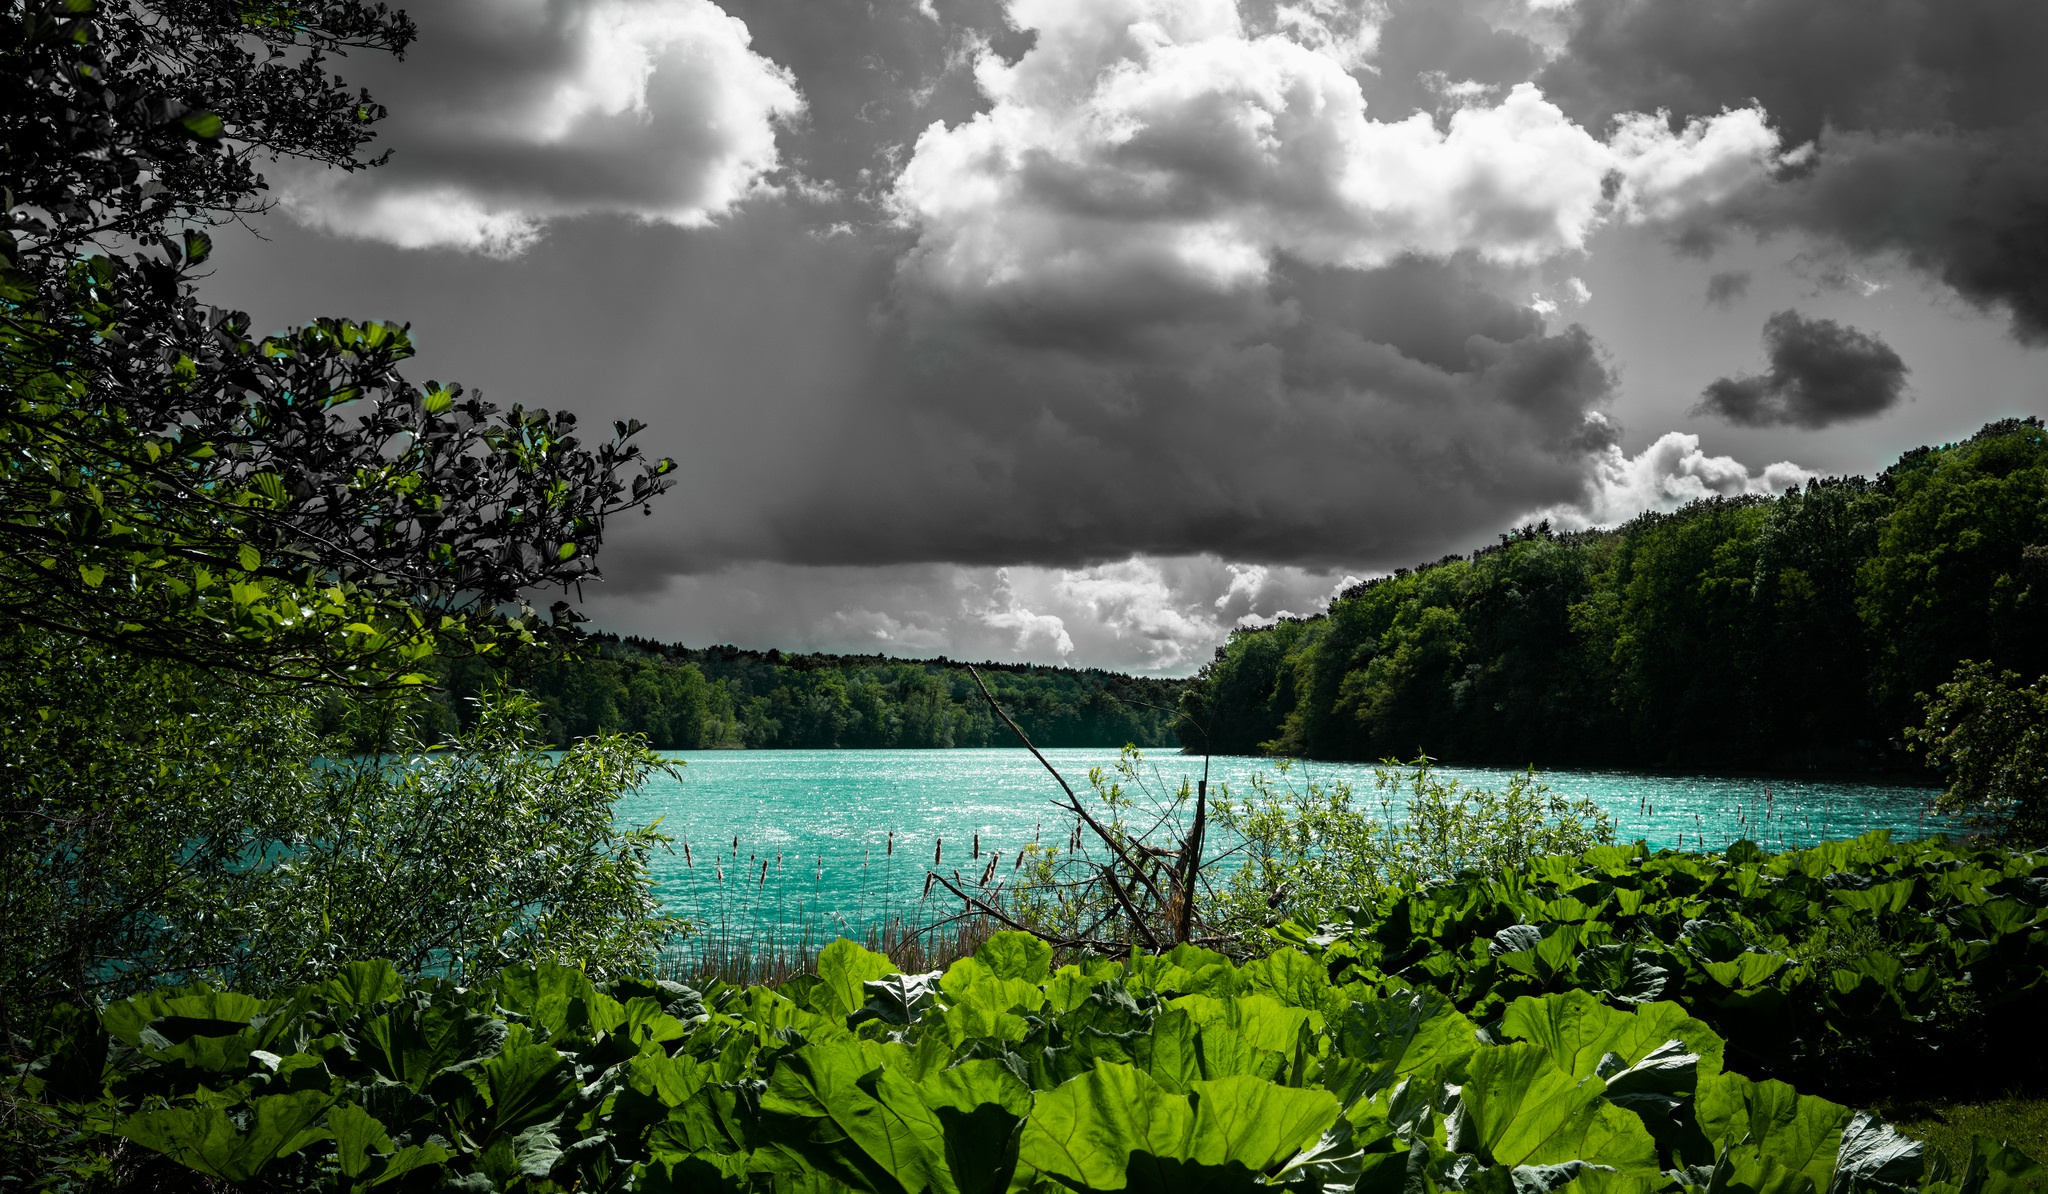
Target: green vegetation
{"type": "Point", "coordinates": [1991, 736]}
{"type": "Point", "coordinates": [283, 508]}
{"type": "Point", "coordinates": [161, 830]}
{"type": "Point", "coordinates": [1754, 632]}
{"type": "Point", "coordinates": [1862, 968]}
{"type": "Point", "coordinates": [724, 697]}
{"type": "Point", "coordinates": [1178, 1071]}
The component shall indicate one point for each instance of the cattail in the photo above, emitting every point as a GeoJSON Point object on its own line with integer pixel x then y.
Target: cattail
{"type": "Point", "coordinates": [686, 855]}
{"type": "Point", "coordinates": [1020, 860]}
{"type": "Point", "coordinates": [764, 872]}
{"type": "Point", "coordinates": [990, 873]}
{"type": "Point", "coordinates": [721, 874]}
{"type": "Point", "coordinates": [977, 846]}
{"type": "Point", "coordinates": [938, 844]}
{"type": "Point", "coordinates": [735, 846]}
{"type": "Point", "coordinates": [928, 877]}
{"type": "Point", "coordinates": [891, 851]}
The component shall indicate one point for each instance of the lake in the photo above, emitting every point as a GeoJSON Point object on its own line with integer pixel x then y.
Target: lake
{"type": "Point", "coordinates": [822, 820]}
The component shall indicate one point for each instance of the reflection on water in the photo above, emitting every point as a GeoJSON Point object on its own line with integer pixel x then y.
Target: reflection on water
{"type": "Point", "coordinates": [821, 821]}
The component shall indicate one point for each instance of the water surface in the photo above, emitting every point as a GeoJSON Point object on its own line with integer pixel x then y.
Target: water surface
{"type": "Point", "coordinates": [822, 820]}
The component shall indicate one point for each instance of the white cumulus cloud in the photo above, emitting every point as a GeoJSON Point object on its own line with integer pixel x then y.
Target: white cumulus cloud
{"type": "Point", "coordinates": [1163, 139]}
{"type": "Point", "coordinates": [508, 114]}
{"type": "Point", "coordinates": [1664, 476]}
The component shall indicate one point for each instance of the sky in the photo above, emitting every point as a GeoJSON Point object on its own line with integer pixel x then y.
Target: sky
{"type": "Point", "coordinates": [1083, 331]}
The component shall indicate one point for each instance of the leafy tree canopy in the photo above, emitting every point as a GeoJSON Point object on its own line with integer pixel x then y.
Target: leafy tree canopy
{"type": "Point", "coordinates": [283, 508]}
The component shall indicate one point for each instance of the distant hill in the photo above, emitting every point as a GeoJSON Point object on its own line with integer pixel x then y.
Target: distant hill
{"type": "Point", "coordinates": [685, 698]}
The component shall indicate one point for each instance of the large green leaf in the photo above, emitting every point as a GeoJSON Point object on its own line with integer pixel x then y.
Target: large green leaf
{"type": "Point", "coordinates": [980, 1105]}
{"type": "Point", "coordinates": [528, 1085]}
{"type": "Point", "coordinates": [208, 1140]}
{"type": "Point", "coordinates": [1770, 1119]}
{"type": "Point", "coordinates": [364, 983]}
{"type": "Point", "coordinates": [364, 1153]}
{"type": "Point", "coordinates": [835, 1102]}
{"type": "Point", "coordinates": [412, 1044]}
{"type": "Point", "coordinates": [1520, 1108]}
{"type": "Point", "coordinates": [1577, 1030]}
{"type": "Point", "coordinates": [1085, 1132]}
{"type": "Point", "coordinates": [1257, 1124]}
{"type": "Point", "coordinates": [844, 967]}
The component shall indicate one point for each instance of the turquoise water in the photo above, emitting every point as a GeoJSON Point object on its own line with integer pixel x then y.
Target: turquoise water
{"type": "Point", "coordinates": [822, 820]}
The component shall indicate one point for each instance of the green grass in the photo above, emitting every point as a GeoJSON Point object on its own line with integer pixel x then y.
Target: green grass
{"type": "Point", "coordinates": [2018, 1120]}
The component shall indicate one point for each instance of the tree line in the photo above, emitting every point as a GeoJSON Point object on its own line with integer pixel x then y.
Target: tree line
{"type": "Point", "coordinates": [1798, 631]}
{"type": "Point", "coordinates": [726, 697]}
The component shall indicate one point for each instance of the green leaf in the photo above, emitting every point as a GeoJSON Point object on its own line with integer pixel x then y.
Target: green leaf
{"type": "Point", "coordinates": [363, 983]}
{"type": "Point", "coordinates": [198, 245]}
{"type": "Point", "coordinates": [249, 558]}
{"type": "Point", "coordinates": [204, 125]}
{"type": "Point", "coordinates": [204, 1138]}
{"type": "Point", "coordinates": [979, 1105]}
{"type": "Point", "coordinates": [1770, 1119]}
{"type": "Point", "coordinates": [1577, 1030]}
{"type": "Point", "coordinates": [528, 1084]}
{"type": "Point", "coordinates": [1016, 956]}
{"type": "Point", "coordinates": [1257, 1124]}
{"type": "Point", "coordinates": [1085, 1131]}
{"type": "Point", "coordinates": [825, 1090]}
{"type": "Point", "coordinates": [1874, 1156]}
{"type": "Point", "coordinates": [1521, 1109]}
{"type": "Point", "coordinates": [845, 967]}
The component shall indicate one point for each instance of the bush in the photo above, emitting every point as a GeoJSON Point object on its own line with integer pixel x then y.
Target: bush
{"type": "Point", "coordinates": [1991, 735]}
{"type": "Point", "coordinates": [1312, 848]}
{"type": "Point", "coordinates": [160, 829]}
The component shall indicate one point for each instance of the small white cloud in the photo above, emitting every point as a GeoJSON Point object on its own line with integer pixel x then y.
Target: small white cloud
{"type": "Point", "coordinates": [1580, 292]}
{"type": "Point", "coordinates": [1664, 476]}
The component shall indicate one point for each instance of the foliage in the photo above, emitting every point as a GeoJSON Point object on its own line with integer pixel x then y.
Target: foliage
{"type": "Point", "coordinates": [1312, 847]}
{"type": "Point", "coordinates": [1864, 966]}
{"type": "Point", "coordinates": [1177, 1071]}
{"type": "Point", "coordinates": [484, 852]}
{"type": "Point", "coordinates": [1745, 632]}
{"type": "Point", "coordinates": [1991, 735]}
{"type": "Point", "coordinates": [136, 802]}
{"type": "Point", "coordinates": [158, 828]}
{"type": "Point", "coordinates": [724, 697]}
{"type": "Point", "coordinates": [278, 508]}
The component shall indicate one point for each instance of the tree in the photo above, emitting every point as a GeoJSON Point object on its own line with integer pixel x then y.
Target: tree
{"type": "Point", "coordinates": [279, 509]}
{"type": "Point", "coordinates": [1990, 734]}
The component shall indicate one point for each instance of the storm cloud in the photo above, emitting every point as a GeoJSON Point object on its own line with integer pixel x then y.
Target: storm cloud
{"type": "Point", "coordinates": [1821, 373]}
{"type": "Point", "coordinates": [1044, 326]}
{"type": "Point", "coordinates": [1929, 120]}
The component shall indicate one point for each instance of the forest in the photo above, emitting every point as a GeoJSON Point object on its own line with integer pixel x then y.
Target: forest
{"type": "Point", "coordinates": [725, 697]}
{"type": "Point", "coordinates": [1803, 631]}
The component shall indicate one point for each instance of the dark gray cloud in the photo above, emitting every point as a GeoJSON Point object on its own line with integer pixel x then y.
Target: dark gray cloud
{"type": "Point", "coordinates": [1821, 373]}
{"type": "Point", "coordinates": [1184, 302]}
{"type": "Point", "coordinates": [1725, 287]}
{"type": "Point", "coordinates": [1930, 117]}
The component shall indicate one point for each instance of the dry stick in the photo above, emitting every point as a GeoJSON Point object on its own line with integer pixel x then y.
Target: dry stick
{"type": "Point", "coordinates": [1189, 864]}
{"type": "Point", "coordinates": [990, 911]}
{"type": "Point", "coordinates": [1073, 801]}
{"type": "Point", "coordinates": [1151, 938]}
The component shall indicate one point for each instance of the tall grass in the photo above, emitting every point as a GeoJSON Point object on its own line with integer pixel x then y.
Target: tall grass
{"type": "Point", "coordinates": [761, 917]}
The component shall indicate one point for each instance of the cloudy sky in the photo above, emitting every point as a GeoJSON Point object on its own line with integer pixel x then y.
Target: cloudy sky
{"type": "Point", "coordinates": [1083, 330]}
